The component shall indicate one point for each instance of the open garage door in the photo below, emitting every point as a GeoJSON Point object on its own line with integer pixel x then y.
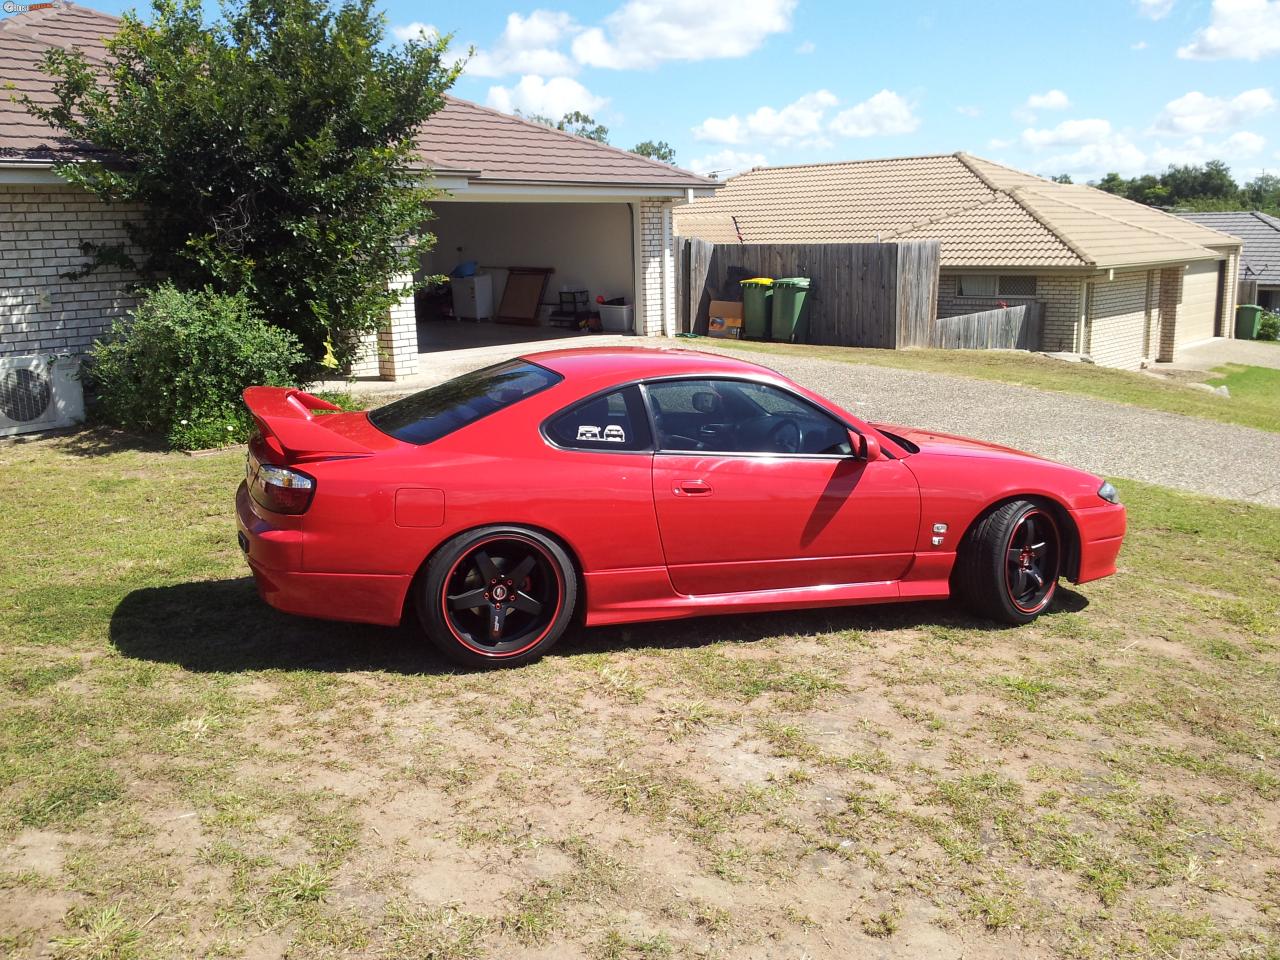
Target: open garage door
{"type": "Point", "coordinates": [587, 247]}
{"type": "Point", "coordinates": [1198, 314]}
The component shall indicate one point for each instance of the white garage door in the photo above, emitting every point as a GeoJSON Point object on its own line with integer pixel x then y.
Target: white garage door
{"type": "Point", "coordinates": [1197, 317]}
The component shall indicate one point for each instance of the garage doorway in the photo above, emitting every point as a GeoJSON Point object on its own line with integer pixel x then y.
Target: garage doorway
{"type": "Point", "coordinates": [588, 247]}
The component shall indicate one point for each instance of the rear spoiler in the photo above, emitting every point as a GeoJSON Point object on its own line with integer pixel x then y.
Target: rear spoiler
{"type": "Point", "coordinates": [285, 415]}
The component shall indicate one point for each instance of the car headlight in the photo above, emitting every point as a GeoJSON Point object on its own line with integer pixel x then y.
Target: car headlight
{"type": "Point", "coordinates": [1108, 492]}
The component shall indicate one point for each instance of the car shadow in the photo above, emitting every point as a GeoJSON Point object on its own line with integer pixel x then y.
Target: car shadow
{"type": "Point", "coordinates": [221, 626]}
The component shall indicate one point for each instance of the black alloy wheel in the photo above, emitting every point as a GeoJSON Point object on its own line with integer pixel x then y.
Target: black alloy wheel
{"type": "Point", "coordinates": [497, 595]}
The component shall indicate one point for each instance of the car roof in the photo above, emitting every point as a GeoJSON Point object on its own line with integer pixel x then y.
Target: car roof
{"type": "Point", "coordinates": [636, 363]}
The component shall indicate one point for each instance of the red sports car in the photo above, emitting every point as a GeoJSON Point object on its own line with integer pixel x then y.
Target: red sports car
{"type": "Point", "coordinates": [619, 485]}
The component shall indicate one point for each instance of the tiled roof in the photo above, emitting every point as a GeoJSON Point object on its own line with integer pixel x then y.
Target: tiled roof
{"type": "Point", "coordinates": [24, 38]}
{"type": "Point", "coordinates": [500, 147]}
{"type": "Point", "coordinates": [488, 145]}
{"type": "Point", "coordinates": [985, 214]}
{"type": "Point", "coordinates": [1260, 259]}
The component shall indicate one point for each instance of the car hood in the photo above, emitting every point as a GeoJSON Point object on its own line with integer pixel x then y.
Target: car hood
{"type": "Point", "coordinates": [947, 444]}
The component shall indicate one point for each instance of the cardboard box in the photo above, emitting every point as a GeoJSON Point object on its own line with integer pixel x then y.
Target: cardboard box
{"type": "Point", "coordinates": [724, 319]}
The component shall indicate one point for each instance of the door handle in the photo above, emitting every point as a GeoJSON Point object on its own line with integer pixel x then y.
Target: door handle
{"type": "Point", "coordinates": [692, 488]}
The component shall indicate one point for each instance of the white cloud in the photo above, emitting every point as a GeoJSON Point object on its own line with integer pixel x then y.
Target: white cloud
{"type": "Point", "coordinates": [644, 33]}
{"type": "Point", "coordinates": [883, 114]}
{"type": "Point", "coordinates": [415, 31]}
{"type": "Point", "coordinates": [1154, 9]}
{"type": "Point", "coordinates": [1196, 113]}
{"type": "Point", "coordinates": [969, 111]}
{"type": "Point", "coordinates": [995, 143]}
{"type": "Point", "coordinates": [1237, 30]}
{"type": "Point", "coordinates": [807, 47]}
{"type": "Point", "coordinates": [1140, 45]}
{"type": "Point", "coordinates": [1085, 149]}
{"type": "Point", "coordinates": [1049, 100]}
{"type": "Point", "coordinates": [726, 163]}
{"type": "Point", "coordinates": [802, 119]}
{"type": "Point", "coordinates": [528, 45]}
{"type": "Point", "coordinates": [1068, 132]}
{"type": "Point", "coordinates": [550, 98]}
{"type": "Point", "coordinates": [1242, 146]}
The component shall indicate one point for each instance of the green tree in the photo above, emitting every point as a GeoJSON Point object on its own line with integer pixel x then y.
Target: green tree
{"type": "Point", "coordinates": [1113, 183]}
{"type": "Point", "coordinates": [1061, 178]}
{"type": "Point", "coordinates": [582, 125]}
{"type": "Point", "coordinates": [272, 154]}
{"type": "Point", "coordinates": [575, 122]}
{"type": "Point", "coordinates": [661, 150]}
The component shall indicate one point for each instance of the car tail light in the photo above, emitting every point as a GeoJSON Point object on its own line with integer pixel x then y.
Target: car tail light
{"type": "Point", "coordinates": [280, 489]}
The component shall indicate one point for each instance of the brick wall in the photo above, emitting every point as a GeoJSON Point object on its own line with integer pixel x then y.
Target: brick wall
{"type": "Point", "coordinates": [41, 228]}
{"type": "Point", "coordinates": [1118, 320]}
{"type": "Point", "coordinates": [1059, 294]}
{"type": "Point", "coordinates": [657, 294]}
{"type": "Point", "coordinates": [1227, 316]}
{"type": "Point", "coordinates": [1170, 300]}
{"type": "Point", "coordinates": [392, 352]}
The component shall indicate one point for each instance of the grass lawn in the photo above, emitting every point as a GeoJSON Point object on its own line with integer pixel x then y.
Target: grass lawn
{"type": "Point", "coordinates": [1259, 409]}
{"type": "Point", "coordinates": [1257, 386]}
{"type": "Point", "coordinates": [185, 773]}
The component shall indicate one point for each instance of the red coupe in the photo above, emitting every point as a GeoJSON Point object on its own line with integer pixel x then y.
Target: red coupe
{"type": "Point", "coordinates": [619, 485]}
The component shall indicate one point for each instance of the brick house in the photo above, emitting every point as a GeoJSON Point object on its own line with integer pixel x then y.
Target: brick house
{"type": "Point", "coordinates": [515, 193]}
{"type": "Point", "coordinates": [1119, 281]}
{"type": "Point", "coordinates": [1260, 259]}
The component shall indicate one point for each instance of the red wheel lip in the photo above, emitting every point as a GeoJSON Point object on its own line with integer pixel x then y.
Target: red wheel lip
{"type": "Point", "coordinates": [507, 654]}
{"type": "Point", "coordinates": [1053, 587]}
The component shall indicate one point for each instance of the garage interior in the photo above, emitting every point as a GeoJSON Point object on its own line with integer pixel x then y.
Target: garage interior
{"type": "Point", "coordinates": [587, 246]}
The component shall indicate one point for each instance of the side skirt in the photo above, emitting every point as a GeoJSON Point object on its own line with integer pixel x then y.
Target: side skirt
{"type": "Point", "coordinates": [645, 593]}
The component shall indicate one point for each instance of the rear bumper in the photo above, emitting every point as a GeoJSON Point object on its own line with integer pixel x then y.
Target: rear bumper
{"type": "Point", "coordinates": [1101, 536]}
{"type": "Point", "coordinates": [274, 554]}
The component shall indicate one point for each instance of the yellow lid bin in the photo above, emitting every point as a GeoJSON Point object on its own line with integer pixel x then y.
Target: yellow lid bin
{"type": "Point", "coordinates": [757, 299]}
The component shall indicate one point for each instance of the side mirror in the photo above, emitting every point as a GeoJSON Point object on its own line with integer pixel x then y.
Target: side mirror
{"type": "Point", "coordinates": [865, 446]}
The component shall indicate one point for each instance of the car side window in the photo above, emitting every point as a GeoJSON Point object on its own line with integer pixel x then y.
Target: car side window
{"type": "Point", "coordinates": [737, 416]}
{"type": "Point", "coordinates": [611, 423]}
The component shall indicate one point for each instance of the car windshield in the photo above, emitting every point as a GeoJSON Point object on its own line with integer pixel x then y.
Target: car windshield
{"type": "Point", "coordinates": [430, 414]}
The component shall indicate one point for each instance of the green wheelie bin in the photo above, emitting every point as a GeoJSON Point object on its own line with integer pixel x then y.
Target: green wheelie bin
{"type": "Point", "coordinates": [790, 319]}
{"type": "Point", "coordinates": [757, 299]}
{"type": "Point", "coordinates": [1248, 319]}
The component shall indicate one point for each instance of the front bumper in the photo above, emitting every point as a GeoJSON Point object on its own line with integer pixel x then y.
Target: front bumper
{"type": "Point", "coordinates": [274, 554]}
{"type": "Point", "coordinates": [1101, 531]}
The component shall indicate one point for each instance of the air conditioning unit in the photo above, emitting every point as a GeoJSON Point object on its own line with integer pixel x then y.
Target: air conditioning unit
{"type": "Point", "coordinates": [39, 393]}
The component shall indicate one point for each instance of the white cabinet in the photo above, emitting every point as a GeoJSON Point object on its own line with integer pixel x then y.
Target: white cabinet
{"type": "Point", "coordinates": [473, 297]}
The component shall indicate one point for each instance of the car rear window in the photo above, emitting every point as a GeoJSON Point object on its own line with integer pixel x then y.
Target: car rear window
{"type": "Point", "coordinates": [432, 413]}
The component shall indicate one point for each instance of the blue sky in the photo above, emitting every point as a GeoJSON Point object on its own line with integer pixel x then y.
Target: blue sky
{"type": "Point", "coordinates": [1080, 88]}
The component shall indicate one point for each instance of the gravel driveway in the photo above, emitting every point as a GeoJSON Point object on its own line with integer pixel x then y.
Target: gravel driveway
{"type": "Point", "coordinates": [1113, 439]}
{"type": "Point", "coordinates": [1106, 438]}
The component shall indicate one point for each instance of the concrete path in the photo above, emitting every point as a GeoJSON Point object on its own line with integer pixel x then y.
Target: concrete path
{"type": "Point", "coordinates": [1214, 353]}
{"type": "Point", "coordinates": [1106, 438]}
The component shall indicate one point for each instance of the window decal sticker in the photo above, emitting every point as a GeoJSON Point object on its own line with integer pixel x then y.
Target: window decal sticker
{"type": "Point", "coordinates": [588, 432]}
{"type": "Point", "coordinates": [615, 434]}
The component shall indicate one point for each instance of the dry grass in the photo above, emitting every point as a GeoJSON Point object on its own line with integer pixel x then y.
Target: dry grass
{"type": "Point", "coordinates": [186, 773]}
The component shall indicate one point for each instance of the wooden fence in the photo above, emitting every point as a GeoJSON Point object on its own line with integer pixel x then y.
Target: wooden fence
{"type": "Point", "coordinates": [860, 294]}
{"type": "Point", "coordinates": [1011, 328]}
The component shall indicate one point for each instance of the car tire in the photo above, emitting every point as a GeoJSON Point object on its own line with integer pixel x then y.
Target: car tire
{"type": "Point", "coordinates": [497, 596]}
{"type": "Point", "coordinates": [1008, 564]}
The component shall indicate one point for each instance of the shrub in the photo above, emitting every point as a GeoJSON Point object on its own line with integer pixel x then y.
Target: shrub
{"type": "Point", "coordinates": [178, 365]}
{"type": "Point", "coordinates": [1269, 328]}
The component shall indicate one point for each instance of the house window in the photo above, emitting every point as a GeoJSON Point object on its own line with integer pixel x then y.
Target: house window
{"type": "Point", "coordinates": [991, 285]}
{"type": "Point", "coordinates": [978, 285]}
{"type": "Point", "coordinates": [1017, 286]}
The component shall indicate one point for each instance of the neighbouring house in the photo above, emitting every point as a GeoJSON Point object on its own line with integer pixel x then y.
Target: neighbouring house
{"type": "Point", "coordinates": [1260, 260]}
{"type": "Point", "coordinates": [1120, 281]}
{"type": "Point", "coordinates": [515, 193]}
